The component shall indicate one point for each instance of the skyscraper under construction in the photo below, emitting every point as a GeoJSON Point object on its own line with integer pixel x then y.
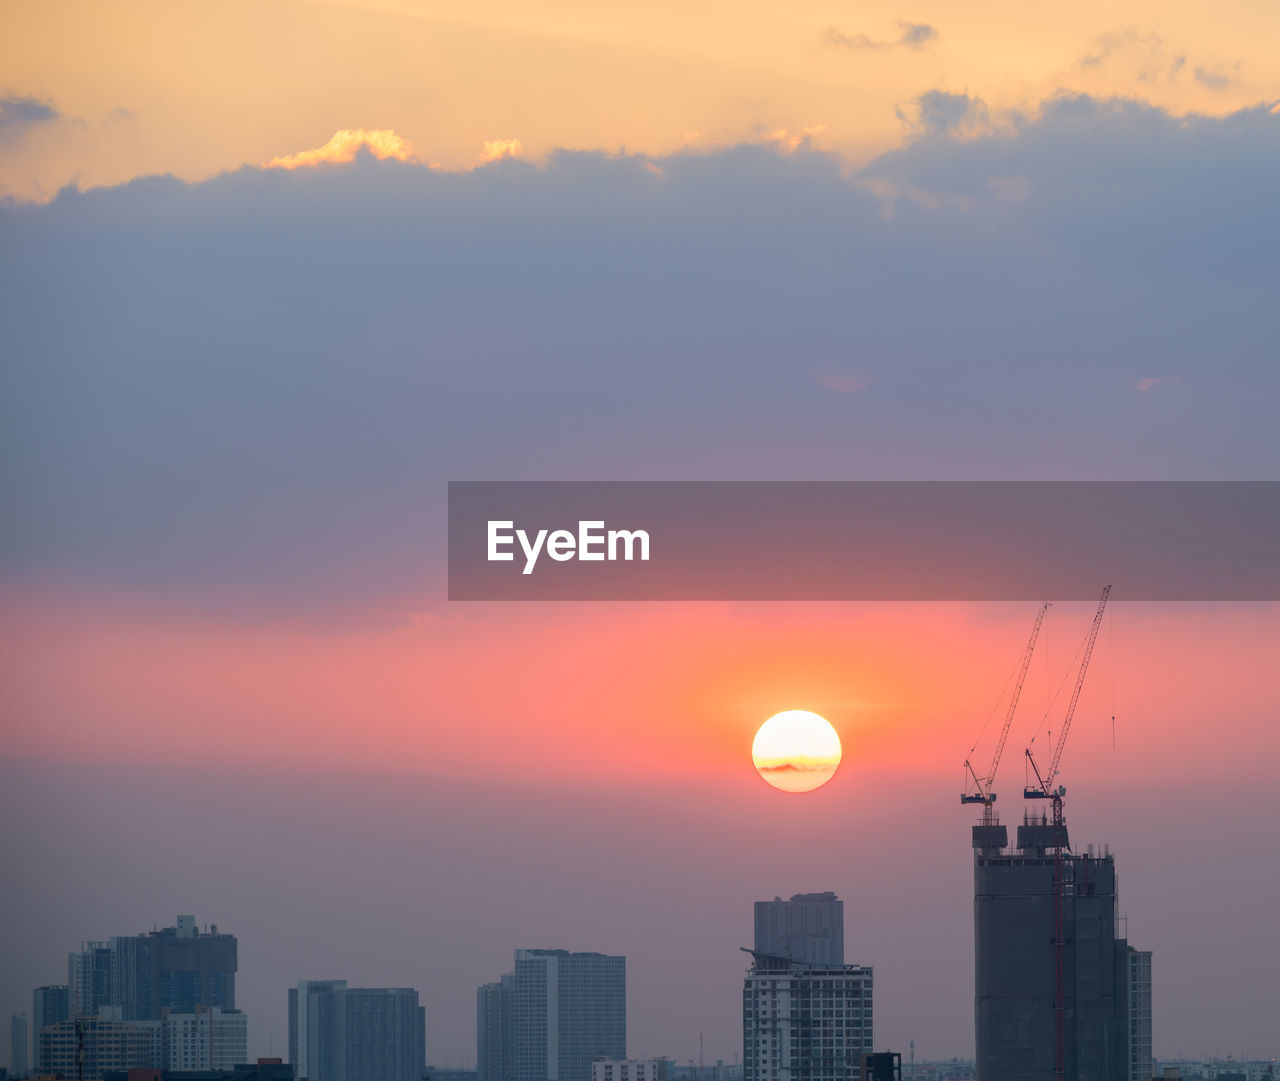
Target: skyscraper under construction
{"type": "Point", "coordinates": [1053, 990]}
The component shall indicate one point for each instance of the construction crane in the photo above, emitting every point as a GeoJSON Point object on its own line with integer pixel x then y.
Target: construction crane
{"type": "Point", "coordinates": [1044, 781]}
{"type": "Point", "coordinates": [981, 790]}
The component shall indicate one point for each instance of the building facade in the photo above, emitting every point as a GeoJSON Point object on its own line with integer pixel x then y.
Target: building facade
{"type": "Point", "coordinates": [341, 1033]}
{"type": "Point", "coordinates": [552, 1017]}
{"type": "Point", "coordinates": [107, 1044]}
{"type": "Point", "coordinates": [1052, 976]}
{"type": "Point", "coordinates": [140, 976]}
{"type": "Point", "coordinates": [210, 1038]}
{"type": "Point", "coordinates": [49, 1005]}
{"type": "Point", "coordinates": [808, 928]}
{"type": "Point", "coordinates": [91, 979]}
{"type": "Point", "coordinates": [805, 1023]}
{"type": "Point", "coordinates": [1141, 1063]}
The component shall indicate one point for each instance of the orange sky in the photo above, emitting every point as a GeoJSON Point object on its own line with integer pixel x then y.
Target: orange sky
{"type": "Point", "coordinates": [574, 693]}
{"type": "Point", "coordinates": [195, 88]}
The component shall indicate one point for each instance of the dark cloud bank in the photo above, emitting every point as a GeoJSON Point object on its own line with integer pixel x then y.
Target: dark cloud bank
{"type": "Point", "coordinates": [262, 381]}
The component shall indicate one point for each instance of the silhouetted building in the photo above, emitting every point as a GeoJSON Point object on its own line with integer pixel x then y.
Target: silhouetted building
{"type": "Point", "coordinates": [265, 1069]}
{"type": "Point", "coordinates": [49, 1005]}
{"type": "Point", "coordinates": [341, 1033]}
{"type": "Point", "coordinates": [808, 928]}
{"type": "Point", "coordinates": [496, 1030]}
{"type": "Point", "coordinates": [19, 1062]}
{"type": "Point", "coordinates": [882, 1066]}
{"type": "Point", "coordinates": [805, 1022]}
{"type": "Point", "coordinates": [1052, 977]}
{"type": "Point", "coordinates": [570, 1008]}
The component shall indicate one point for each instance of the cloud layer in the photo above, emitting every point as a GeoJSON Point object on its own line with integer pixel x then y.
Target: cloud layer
{"type": "Point", "coordinates": [259, 384]}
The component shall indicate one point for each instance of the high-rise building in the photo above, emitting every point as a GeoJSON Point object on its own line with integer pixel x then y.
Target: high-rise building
{"type": "Point", "coordinates": [808, 928]}
{"type": "Point", "coordinates": [804, 1022]}
{"type": "Point", "coordinates": [90, 978]}
{"type": "Point", "coordinates": [570, 1008]}
{"type": "Point", "coordinates": [1052, 975]}
{"type": "Point", "coordinates": [211, 1038]}
{"type": "Point", "coordinates": [341, 1033]}
{"type": "Point", "coordinates": [19, 1063]}
{"type": "Point", "coordinates": [313, 1019]}
{"type": "Point", "coordinates": [496, 1030]}
{"type": "Point", "coordinates": [176, 968]}
{"type": "Point", "coordinates": [1141, 1064]}
{"type": "Point", "coordinates": [49, 1005]}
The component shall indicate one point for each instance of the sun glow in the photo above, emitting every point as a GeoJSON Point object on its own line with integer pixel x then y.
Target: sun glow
{"type": "Point", "coordinates": [796, 751]}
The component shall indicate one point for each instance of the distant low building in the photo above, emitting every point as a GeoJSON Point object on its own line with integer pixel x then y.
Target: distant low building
{"type": "Point", "coordinates": [630, 1069]}
{"type": "Point", "coordinates": [881, 1066]}
{"type": "Point", "coordinates": [265, 1069]}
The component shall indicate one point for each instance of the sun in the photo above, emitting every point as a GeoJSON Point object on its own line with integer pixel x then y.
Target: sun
{"type": "Point", "coordinates": [796, 751]}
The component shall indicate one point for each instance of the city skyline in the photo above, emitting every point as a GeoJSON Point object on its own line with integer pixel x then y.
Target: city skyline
{"type": "Point", "coordinates": [1151, 892]}
{"type": "Point", "coordinates": [274, 274]}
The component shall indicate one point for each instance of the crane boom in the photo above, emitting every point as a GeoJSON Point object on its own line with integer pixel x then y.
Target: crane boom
{"type": "Point", "coordinates": [1045, 790]}
{"type": "Point", "coordinates": [983, 793]}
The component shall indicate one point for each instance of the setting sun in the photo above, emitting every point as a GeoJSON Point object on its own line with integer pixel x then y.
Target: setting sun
{"type": "Point", "coordinates": [796, 751]}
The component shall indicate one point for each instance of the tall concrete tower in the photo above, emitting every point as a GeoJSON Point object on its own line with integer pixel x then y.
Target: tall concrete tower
{"type": "Point", "coordinates": [1052, 977]}
{"type": "Point", "coordinates": [809, 928]}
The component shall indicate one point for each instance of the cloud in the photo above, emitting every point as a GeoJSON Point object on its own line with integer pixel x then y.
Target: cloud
{"type": "Point", "coordinates": [497, 149]}
{"type": "Point", "coordinates": [343, 147]}
{"type": "Point", "coordinates": [1153, 381]}
{"type": "Point", "coordinates": [789, 142]}
{"type": "Point", "coordinates": [1151, 60]}
{"type": "Point", "coordinates": [252, 390]}
{"type": "Point", "coordinates": [19, 114]}
{"type": "Point", "coordinates": [1217, 78]}
{"type": "Point", "coordinates": [939, 112]}
{"type": "Point", "coordinates": [910, 36]}
{"type": "Point", "coordinates": [1115, 42]}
